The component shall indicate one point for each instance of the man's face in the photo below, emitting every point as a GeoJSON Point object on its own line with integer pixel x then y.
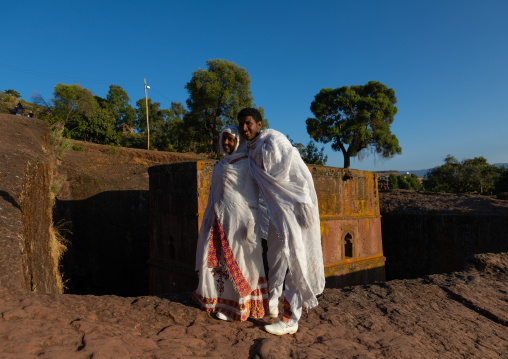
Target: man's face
{"type": "Point", "coordinates": [228, 142]}
{"type": "Point", "coordinates": [249, 128]}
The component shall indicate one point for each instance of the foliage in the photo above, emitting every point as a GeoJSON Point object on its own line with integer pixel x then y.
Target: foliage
{"type": "Point", "coordinates": [358, 117]}
{"type": "Point", "coordinates": [72, 103]}
{"type": "Point", "coordinates": [410, 182]}
{"type": "Point", "coordinates": [13, 93]}
{"type": "Point", "coordinates": [170, 131]}
{"type": "Point", "coordinates": [313, 156]}
{"type": "Point", "coordinates": [118, 103]}
{"type": "Point", "coordinates": [468, 176]}
{"type": "Point", "coordinates": [502, 181]}
{"type": "Point", "coordinates": [155, 115]}
{"type": "Point", "coordinates": [216, 95]}
{"type": "Point", "coordinates": [310, 153]}
{"type": "Point", "coordinates": [59, 144]}
{"type": "Point", "coordinates": [99, 127]}
{"type": "Point", "coordinates": [133, 140]}
{"type": "Point", "coordinates": [42, 108]}
{"type": "Point", "coordinates": [393, 181]}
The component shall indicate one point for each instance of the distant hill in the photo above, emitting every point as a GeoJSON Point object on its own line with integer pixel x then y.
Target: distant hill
{"type": "Point", "coordinates": [422, 173]}
{"type": "Point", "coordinates": [419, 173]}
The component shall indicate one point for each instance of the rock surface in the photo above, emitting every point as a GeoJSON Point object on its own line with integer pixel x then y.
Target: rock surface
{"type": "Point", "coordinates": [402, 201]}
{"type": "Point", "coordinates": [464, 314]}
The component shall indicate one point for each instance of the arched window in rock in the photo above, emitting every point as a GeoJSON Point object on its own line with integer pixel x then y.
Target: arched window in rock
{"type": "Point", "coordinates": [348, 246]}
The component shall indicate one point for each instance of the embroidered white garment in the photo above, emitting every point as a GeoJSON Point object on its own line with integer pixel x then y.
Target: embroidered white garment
{"type": "Point", "coordinates": [288, 191]}
{"type": "Point", "coordinates": [232, 205]}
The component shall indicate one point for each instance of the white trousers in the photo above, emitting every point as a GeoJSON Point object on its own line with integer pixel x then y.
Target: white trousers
{"type": "Point", "coordinates": [277, 271]}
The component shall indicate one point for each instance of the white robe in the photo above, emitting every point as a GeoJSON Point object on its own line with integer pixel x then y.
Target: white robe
{"type": "Point", "coordinates": [231, 273]}
{"type": "Point", "coordinates": [287, 188]}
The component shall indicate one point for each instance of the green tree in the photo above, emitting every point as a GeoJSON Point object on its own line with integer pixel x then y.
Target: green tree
{"type": "Point", "coordinates": [155, 115]}
{"type": "Point", "coordinates": [310, 153]}
{"type": "Point", "coordinates": [414, 183]}
{"type": "Point", "coordinates": [98, 127]}
{"type": "Point", "coordinates": [81, 115]}
{"type": "Point", "coordinates": [393, 181]}
{"type": "Point", "coordinates": [118, 103]}
{"type": "Point", "coordinates": [403, 182]}
{"type": "Point", "coordinates": [502, 181]}
{"type": "Point", "coordinates": [216, 95]}
{"type": "Point", "coordinates": [299, 146]}
{"type": "Point", "coordinates": [410, 182]}
{"type": "Point", "coordinates": [167, 128]}
{"type": "Point", "coordinates": [13, 93]}
{"type": "Point", "coordinates": [355, 118]}
{"type": "Point", "coordinates": [170, 135]}
{"type": "Point", "coordinates": [468, 176]}
{"type": "Point", "coordinates": [478, 176]}
{"type": "Point", "coordinates": [314, 156]}
{"type": "Point", "coordinates": [72, 102]}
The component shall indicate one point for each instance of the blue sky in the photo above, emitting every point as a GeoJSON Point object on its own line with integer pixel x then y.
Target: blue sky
{"type": "Point", "coordinates": [446, 60]}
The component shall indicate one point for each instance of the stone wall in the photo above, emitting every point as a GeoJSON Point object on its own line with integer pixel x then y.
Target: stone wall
{"type": "Point", "coordinates": [27, 242]}
{"type": "Point", "coordinates": [349, 212]}
{"type": "Point", "coordinates": [41, 250]}
{"type": "Point", "coordinates": [350, 225]}
{"type": "Point", "coordinates": [422, 244]}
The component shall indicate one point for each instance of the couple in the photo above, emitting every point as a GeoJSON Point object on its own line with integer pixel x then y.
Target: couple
{"type": "Point", "coordinates": [264, 191]}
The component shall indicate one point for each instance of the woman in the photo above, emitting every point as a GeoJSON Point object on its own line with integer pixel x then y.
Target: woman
{"type": "Point", "coordinates": [232, 282]}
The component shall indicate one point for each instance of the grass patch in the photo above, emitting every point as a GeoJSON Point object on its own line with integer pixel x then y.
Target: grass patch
{"type": "Point", "coordinates": [59, 144]}
{"type": "Point", "coordinates": [57, 246]}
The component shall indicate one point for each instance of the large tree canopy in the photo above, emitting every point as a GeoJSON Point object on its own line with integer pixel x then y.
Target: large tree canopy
{"type": "Point", "coordinates": [355, 118]}
{"type": "Point", "coordinates": [216, 95]}
{"type": "Point", "coordinates": [12, 92]}
{"type": "Point", "coordinates": [155, 115]}
{"type": "Point", "coordinates": [81, 115]}
{"type": "Point", "coordinates": [72, 101]}
{"type": "Point", "coordinates": [466, 176]}
{"type": "Point", "coordinates": [170, 132]}
{"type": "Point", "coordinates": [118, 103]}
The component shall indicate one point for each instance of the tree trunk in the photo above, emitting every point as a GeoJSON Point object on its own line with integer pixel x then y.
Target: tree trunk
{"type": "Point", "coordinates": [345, 153]}
{"type": "Point", "coordinates": [347, 160]}
{"type": "Point", "coordinates": [215, 137]}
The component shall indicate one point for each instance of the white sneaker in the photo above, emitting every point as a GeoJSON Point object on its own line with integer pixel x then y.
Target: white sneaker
{"type": "Point", "coordinates": [281, 328]}
{"type": "Point", "coordinates": [222, 316]}
{"type": "Point", "coordinates": [274, 313]}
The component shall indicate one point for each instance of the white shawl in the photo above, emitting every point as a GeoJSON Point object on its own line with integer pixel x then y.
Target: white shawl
{"type": "Point", "coordinates": [234, 200]}
{"type": "Point", "coordinates": [288, 190]}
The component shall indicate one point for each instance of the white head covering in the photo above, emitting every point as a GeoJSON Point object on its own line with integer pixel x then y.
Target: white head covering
{"type": "Point", "coordinates": [241, 143]}
{"type": "Point", "coordinates": [233, 202]}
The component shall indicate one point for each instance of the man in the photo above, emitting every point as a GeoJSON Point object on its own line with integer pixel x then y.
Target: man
{"type": "Point", "coordinates": [294, 238]}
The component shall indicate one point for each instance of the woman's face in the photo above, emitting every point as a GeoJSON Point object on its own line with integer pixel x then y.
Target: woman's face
{"type": "Point", "coordinates": [228, 142]}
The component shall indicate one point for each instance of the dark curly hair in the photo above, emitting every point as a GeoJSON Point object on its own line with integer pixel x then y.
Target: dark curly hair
{"type": "Point", "coordinates": [254, 113]}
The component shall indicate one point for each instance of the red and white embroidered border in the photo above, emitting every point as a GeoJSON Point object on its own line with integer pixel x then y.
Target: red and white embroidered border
{"type": "Point", "coordinates": [218, 244]}
{"type": "Point", "coordinates": [251, 308]}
